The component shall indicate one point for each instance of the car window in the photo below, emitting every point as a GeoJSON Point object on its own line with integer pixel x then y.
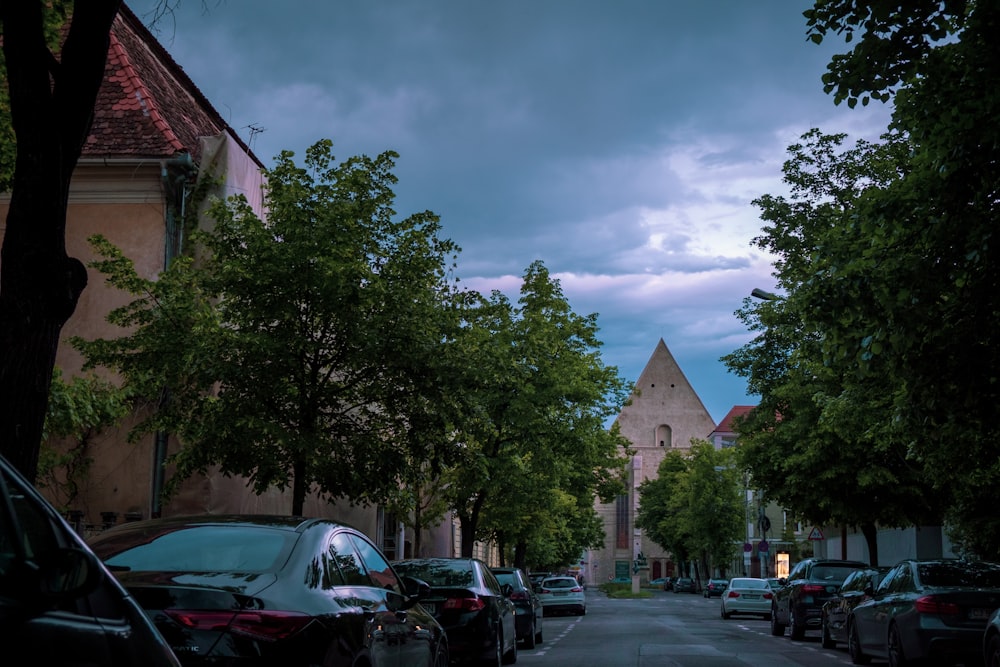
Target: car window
{"type": "Point", "coordinates": [856, 581]}
{"type": "Point", "coordinates": [749, 583]}
{"type": "Point", "coordinates": [351, 567]}
{"type": "Point", "coordinates": [559, 583]}
{"type": "Point", "coordinates": [37, 537]}
{"type": "Point", "coordinates": [831, 573]}
{"type": "Point", "coordinates": [512, 578]}
{"type": "Point", "coordinates": [197, 549]}
{"type": "Point", "coordinates": [379, 571]}
{"type": "Point", "coordinates": [981, 575]}
{"type": "Point", "coordinates": [490, 581]}
{"type": "Point", "coordinates": [441, 574]}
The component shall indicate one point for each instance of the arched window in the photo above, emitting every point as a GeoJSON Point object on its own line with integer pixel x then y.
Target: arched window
{"type": "Point", "coordinates": [663, 436]}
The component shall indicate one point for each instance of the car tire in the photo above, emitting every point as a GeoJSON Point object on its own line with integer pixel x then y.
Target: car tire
{"type": "Point", "coordinates": [538, 637]}
{"type": "Point", "coordinates": [777, 629]}
{"type": "Point", "coordinates": [854, 646]}
{"type": "Point", "coordinates": [827, 640]}
{"type": "Point", "coordinates": [725, 614]}
{"type": "Point", "coordinates": [529, 638]}
{"type": "Point", "coordinates": [496, 659]}
{"type": "Point", "coordinates": [508, 657]}
{"type": "Point", "coordinates": [441, 658]}
{"type": "Point", "coordinates": [993, 652]}
{"type": "Point", "coordinates": [796, 630]}
{"type": "Point", "coordinates": [894, 649]}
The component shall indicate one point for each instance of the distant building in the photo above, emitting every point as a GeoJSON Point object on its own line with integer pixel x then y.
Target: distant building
{"type": "Point", "coordinates": [665, 413]}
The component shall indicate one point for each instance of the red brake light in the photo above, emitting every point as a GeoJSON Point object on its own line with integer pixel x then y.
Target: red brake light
{"type": "Point", "coordinates": [768, 596]}
{"type": "Point", "coordinates": [813, 588]}
{"type": "Point", "coordinates": [929, 604]}
{"type": "Point", "coordinates": [266, 625]}
{"type": "Point", "coordinates": [576, 589]}
{"type": "Point", "coordinates": [464, 604]}
{"type": "Point", "coordinates": [732, 594]}
{"type": "Point", "coordinates": [519, 595]}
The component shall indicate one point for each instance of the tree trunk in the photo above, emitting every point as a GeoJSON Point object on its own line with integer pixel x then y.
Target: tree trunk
{"type": "Point", "coordinates": [52, 107]}
{"type": "Point", "coordinates": [521, 555]}
{"type": "Point", "coordinates": [870, 531]}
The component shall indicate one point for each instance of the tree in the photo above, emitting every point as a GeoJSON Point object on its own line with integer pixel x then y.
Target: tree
{"type": "Point", "coordinates": [51, 103]}
{"type": "Point", "coordinates": [305, 351]}
{"type": "Point", "coordinates": [535, 396]}
{"type": "Point", "coordinates": [928, 268]}
{"type": "Point", "coordinates": [819, 420]}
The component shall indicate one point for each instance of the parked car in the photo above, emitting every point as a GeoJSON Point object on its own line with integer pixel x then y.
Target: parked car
{"type": "Point", "coordinates": [474, 608]}
{"type": "Point", "coordinates": [798, 601]}
{"type": "Point", "coordinates": [856, 589]}
{"type": "Point", "coordinates": [659, 582]}
{"type": "Point", "coordinates": [528, 622]}
{"type": "Point", "coordinates": [774, 583]}
{"type": "Point", "coordinates": [668, 585]}
{"type": "Point", "coordinates": [536, 578]}
{"type": "Point", "coordinates": [715, 588]}
{"type": "Point", "coordinates": [685, 585]}
{"type": "Point", "coordinates": [747, 595]}
{"type": "Point", "coordinates": [562, 594]}
{"type": "Point", "coordinates": [926, 609]}
{"type": "Point", "coordinates": [270, 590]}
{"type": "Point", "coordinates": [58, 603]}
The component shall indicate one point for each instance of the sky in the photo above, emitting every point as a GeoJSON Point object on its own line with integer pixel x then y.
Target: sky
{"type": "Point", "coordinates": [619, 142]}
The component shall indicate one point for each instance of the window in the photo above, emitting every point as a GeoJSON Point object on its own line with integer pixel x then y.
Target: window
{"type": "Point", "coordinates": [621, 522]}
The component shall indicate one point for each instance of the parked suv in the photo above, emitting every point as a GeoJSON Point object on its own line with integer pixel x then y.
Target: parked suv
{"type": "Point", "coordinates": [798, 602]}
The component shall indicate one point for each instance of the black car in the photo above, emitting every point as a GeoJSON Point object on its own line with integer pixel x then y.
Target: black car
{"type": "Point", "coordinates": [715, 588]}
{"type": "Point", "coordinates": [528, 621]}
{"type": "Point", "coordinates": [58, 604]}
{"type": "Point", "coordinates": [926, 612]}
{"type": "Point", "coordinates": [856, 589]}
{"type": "Point", "coordinates": [685, 585]}
{"type": "Point", "coordinates": [272, 590]}
{"type": "Point", "coordinates": [798, 602]}
{"type": "Point", "coordinates": [472, 606]}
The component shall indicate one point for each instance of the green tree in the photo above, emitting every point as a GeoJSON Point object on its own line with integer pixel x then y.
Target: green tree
{"type": "Point", "coordinates": [820, 421]}
{"type": "Point", "coordinates": [535, 396]}
{"type": "Point", "coordinates": [51, 105]}
{"type": "Point", "coordinates": [303, 352]}
{"type": "Point", "coordinates": [927, 268]}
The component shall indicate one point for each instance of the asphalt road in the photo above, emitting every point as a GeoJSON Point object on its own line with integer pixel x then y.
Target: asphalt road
{"type": "Point", "coordinates": [670, 630]}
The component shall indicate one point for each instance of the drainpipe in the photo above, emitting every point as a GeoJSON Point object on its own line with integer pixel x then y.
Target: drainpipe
{"type": "Point", "coordinates": [176, 174]}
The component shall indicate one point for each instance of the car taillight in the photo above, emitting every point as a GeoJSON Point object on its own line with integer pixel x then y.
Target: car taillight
{"type": "Point", "coordinates": [732, 594]}
{"type": "Point", "coordinates": [464, 604]}
{"type": "Point", "coordinates": [768, 596]}
{"type": "Point", "coordinates": [266, 625]}
{"type": "Point", "coordinates": [546, 590]}
{"type": "Point", "coordinates": [576, 589]}
{"type": "Point", "coordinates": [929, 604]}
{"type": "Point", "coordinates": [519, 595]}
{"type": "Point", "coordinates": [813, 588]}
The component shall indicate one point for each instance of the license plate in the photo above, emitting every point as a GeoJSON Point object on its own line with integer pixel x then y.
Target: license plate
{"type": "Point", "coordinates": [430, 607]}
{"type": "Point", "coordinates": [979, 614]}
{"type": "Point", "coordinates": [557, 593]}
{"type": "Point", "coordinates": [751, 597]}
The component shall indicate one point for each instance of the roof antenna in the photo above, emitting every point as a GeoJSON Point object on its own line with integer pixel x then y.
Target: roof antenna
{"type": "Point", "coordinates": [254, 131]}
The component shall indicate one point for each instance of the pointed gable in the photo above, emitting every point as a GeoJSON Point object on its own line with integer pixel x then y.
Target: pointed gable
{"type": "Point", "coordinates": [147, 106]}
{"type": "Point", "coordinates": [665, 411]}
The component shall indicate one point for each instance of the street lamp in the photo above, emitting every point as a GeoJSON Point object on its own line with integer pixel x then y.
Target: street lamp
{"type": "Point", "coordinates": [758, 293]}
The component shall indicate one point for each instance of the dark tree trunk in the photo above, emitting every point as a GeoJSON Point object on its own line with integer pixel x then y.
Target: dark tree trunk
{"type": "Point", "coordinates": [469, 522]}
{"type": "Point", "coordinates": [870, 531]}
{"type": "Point", "coordinates": [521, 555]}
{"type": "Point", "coordinates": [52, 107]}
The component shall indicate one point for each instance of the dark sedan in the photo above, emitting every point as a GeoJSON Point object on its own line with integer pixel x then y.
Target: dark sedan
{"type": "Point", "coordinates": [856, 589]}
{"type": "Point", "coordinates": [715, 588]}
{"type": "Point", "coordinates": [471, 604]}
{"type": "Point", "coordinates": [258, 590]}
{"type": "Point", "coordinates": [685, 585]}
{"type": "Point", "coordinates": [58, 604]}
{"type": "Point", "coordinates": [529, 617]}
{"type": "Point", "coordinates": [926, 609]}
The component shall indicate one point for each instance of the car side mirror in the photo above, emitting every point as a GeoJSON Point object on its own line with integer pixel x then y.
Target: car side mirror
{"type": "Point", "coordinates": [60, 574]}
{"type": "Point", "coordinates": [782, 581]}
{"type": "Point", "coordinates": [507, 590]}
{"type": "Point", "coordinates": [416, 588]}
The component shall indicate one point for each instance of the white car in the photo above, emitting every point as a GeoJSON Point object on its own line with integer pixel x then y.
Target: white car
{"type": "Point", "coordinates": [747, 595]}
{"type": "Point", "coordinates": [562, 594]}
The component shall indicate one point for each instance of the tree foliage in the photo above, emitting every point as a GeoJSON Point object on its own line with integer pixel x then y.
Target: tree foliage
{"type": "Point", "coordinates": [306, 351]}
{"type": "Point", "coordinates": [693, 508]}
{"type": "Point", "coordinates": [892, 298]}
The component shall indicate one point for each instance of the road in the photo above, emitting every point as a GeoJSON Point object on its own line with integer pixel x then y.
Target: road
{"type": "Point", "coordinates": [670, 630]}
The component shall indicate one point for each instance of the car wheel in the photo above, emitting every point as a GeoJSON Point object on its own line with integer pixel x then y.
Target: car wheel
{"type": "Point", "coordinates": [777, 629]}
{"type": "Point", "coordinates": [796, 630]}
{"type": "Point", "coordinates": [725, 614]}
{"type": "Point", "coordinates": [529, 638]}
{"type": "Point", "coordinates": [827, 640]}
{"type": "Point", "coordinates": [894, 648]}
{"type": "Point", "coordinates": [538, 637]}
{"type": "Point", "coordinates": [510, 657]}
{"type": "Point", "coordinates": [854, 646]}
{"type": "Point", "coordinates": [993, 652]}
{"type": "Point", "coordinates": [496, 659]}
{"type": "Point", "coordinates": [441, 658]}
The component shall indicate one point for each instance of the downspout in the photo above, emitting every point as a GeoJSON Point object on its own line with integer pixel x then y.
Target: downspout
{"type": "Point", "coordinates": [176, 174]}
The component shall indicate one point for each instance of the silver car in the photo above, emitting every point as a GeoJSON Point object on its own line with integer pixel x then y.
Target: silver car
{"type": "Point", "coordinates": [562, 594]}
{"type": "Point", "coordinates": [747, 595]}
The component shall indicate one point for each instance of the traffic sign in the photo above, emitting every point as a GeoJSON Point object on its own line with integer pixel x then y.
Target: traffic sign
{"type": "Point", "coordinates": [816, 534]}
{"type": "Point", "coordinates": [763, 546]}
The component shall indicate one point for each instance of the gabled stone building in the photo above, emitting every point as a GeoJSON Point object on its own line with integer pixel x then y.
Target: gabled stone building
{"type": "Point", "coordinates": [665, 413]}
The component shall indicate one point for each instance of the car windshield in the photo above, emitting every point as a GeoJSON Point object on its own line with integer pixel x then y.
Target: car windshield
{"type": "Point", "coordinates": [440, 574]}
{"type": "Point", "coordinates": [831, 573]}
{"type": "Point", "coordinates": [748, 583]}
{"type": "Point", "coordinates": [508, 578]}
{"type": "Point", "coordinates": [979, 575]}
{"type": "Point", "coordinates": [559, 583]}
{"type": "Point", "coordinates": [212, 548]}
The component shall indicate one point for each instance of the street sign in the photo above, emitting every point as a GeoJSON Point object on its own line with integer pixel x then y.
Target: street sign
{"type": "Point", "coordinates": [763, 546]}
{"type": "Point", "coordinates": [747, 547]}
{"type": "Point", "coordinates": [816, 534]}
